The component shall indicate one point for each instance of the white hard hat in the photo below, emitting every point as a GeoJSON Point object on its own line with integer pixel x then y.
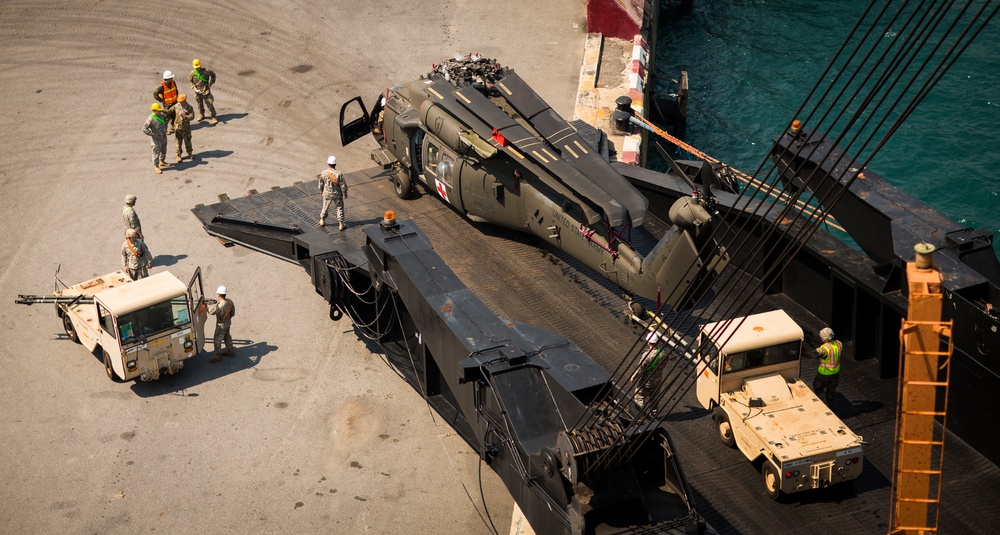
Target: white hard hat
{"type": "Point", "coordinates": [221, 290]}
{"type": "Point", "coordinates": [332, 160]}
{"type": "Point", "coordinates": [167, 75]}
{"type": "Point", "coordinates": [652, 338]}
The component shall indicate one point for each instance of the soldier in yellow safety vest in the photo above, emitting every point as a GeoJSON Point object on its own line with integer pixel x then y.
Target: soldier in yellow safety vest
{"type": "Point", "coordinates": [828, 374]}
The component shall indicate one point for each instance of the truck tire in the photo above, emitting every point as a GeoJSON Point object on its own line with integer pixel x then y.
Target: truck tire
{"type": "Point", "coordinates": [68, 327]}
{"type": "Point", "coordinates": [107, 366]}
{"type": "Point", "coordinates": [402, 184]}
{"type": "Point", "coordinates": [724, 428]}
{"type": "Point", "coordinates": [772, 480]}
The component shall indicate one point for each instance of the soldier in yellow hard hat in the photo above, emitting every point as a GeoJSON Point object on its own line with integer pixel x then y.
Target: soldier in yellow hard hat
{"type": "Point", "coordinates": [156, 129]}
{"type": "Point", "coordinates": [202, 79]}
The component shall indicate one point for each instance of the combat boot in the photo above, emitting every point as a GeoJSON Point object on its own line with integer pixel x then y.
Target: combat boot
{"type": "Point", "coordinates": [214, 121]}
{"type": "Point", "coordinates": [191, 156]}
{"type": "Point", "coordinates": [216, 357]}
{"type": "Point", "coordinates": [322, 222]}
{"type": "Point", "coordinates": [342, 225]}
{"type": "Point", "coordinates": [164, 164]}
{"type": "Point", "coordinates": [180, 158]}
{"type": "Point", "coordinates": [201, 117]}
{"type": "Point", "coordinates": [157, 169]}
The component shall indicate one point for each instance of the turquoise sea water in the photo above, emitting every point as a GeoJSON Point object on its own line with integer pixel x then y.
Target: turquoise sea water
{"type": "Point", "coordinates": [752, 62]}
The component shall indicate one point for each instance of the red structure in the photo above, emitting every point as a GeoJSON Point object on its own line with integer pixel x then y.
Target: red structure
{"type": "Point", "coordinates": [621, 19]}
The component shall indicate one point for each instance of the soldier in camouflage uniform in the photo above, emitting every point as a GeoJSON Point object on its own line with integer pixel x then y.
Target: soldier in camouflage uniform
{"type": "Point", "coordinates": [202, 79]}
{"type": "Point", "coordinates": [334, 189]}
{"type": "Point", "coordinates": [224, 310]}
{"type": "Point", "coordinates": [649, 375]}
{"type": "Point", "coordinates": [136, 259]}
{"type": "Point", "coordinates": [156, 129]}
{"type": "Point", "coordinates": [130, 217]}
{"type": "Point", "coordinates": [180, 115]}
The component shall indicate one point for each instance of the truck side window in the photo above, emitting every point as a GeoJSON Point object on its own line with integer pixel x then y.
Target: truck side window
{"type": "Point", "coordinates": [709, 353]}
{"type": "Point", "coordinates": [107, 321]}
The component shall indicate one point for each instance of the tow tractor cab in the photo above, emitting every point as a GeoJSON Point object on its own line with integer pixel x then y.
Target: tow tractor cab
{"type": "Point", "coordinates": [748, 376]}
{"type": "Point", "coordinates": [143, 328]}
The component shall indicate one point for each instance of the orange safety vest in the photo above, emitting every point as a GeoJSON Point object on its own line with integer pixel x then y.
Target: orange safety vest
{"type": "Point", "coordinates": [169, 94]}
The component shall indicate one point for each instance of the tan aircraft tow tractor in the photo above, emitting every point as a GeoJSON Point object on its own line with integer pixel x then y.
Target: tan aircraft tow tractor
{"type": "Point", "coordinates": [141, 328]}
{"type": "Point", "coordinates": [748, 372]}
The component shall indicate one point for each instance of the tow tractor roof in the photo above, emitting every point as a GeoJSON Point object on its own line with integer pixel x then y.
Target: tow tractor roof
{"type": "Point", "coordinates": [142, 293]}
{"type": "Point", "coordinates": [758, 330]}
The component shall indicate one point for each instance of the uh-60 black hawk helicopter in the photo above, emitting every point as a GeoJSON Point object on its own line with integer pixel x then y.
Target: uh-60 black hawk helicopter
{"type": "Point", "coordinates": [475, 134]}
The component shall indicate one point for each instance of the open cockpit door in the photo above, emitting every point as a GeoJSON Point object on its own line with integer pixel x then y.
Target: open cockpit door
{"type": "Point", "coordinates": [199, 316]}
{"type": "Point", "coordinates": [359, 123]}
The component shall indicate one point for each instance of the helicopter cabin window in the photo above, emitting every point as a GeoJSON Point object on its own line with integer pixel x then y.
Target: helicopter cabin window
{"type": "Point", "coordinates": [445, 169]}
{"type": "Point", "coordinates": [433, 157]}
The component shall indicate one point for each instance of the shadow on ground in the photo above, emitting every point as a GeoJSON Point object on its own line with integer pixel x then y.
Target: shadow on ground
{"type": "Point", "coordinates": [198, 370]}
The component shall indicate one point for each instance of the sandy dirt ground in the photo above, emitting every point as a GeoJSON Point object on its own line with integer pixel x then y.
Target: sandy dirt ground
{"type": "Point", "coordinates": [306, 430]}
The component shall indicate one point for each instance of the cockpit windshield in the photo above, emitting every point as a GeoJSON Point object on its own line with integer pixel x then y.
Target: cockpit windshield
{"type": "Point", "coordinates": [141, 324]}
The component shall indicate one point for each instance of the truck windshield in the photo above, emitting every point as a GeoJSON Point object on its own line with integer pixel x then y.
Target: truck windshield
{"type": "Point", "coordinates": [762, 357]}
{"type": "Point", "coordinates": [745, 360]}
{"type": "Point", "coordinates": [145, 322]}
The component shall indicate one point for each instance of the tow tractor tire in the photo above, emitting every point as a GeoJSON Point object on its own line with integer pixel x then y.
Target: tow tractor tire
{"type": "Point", "coordinates": [772, 480]}
{"type": "Point", "coordinates": [107, 366]}
{"type": "Point", "coordinates": [724, 428]}
{"type": "Point", "coordinates": [68, 327]}
{"type": "Point", "coordinates": [403, 185]}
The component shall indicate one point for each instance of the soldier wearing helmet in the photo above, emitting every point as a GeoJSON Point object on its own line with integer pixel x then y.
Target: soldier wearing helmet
{"type": "Point", "coordinates": [224, 310]}
{"type": "Point", "coordinates": [180, 116]}
{"type": "Point", "coordinates": [649, 374]}
{"type": "Point", "coordinates": [166, 93]}
{"type": "Point", "coordinates": [202, 79]}
{"type": "Point", "coordinates": [334, 189]}
{"type": "Point", "coordinates": [156, 129]}
{"type": "Point", "coordinates": [136, 259]}
{"type": "Point", "coordinates": [828, 374]}
{"type": "Point", "coordinates": [130, 217]}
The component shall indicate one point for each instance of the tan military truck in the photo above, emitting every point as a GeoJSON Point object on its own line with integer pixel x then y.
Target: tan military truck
{"type": "Point", "coordinates": [748, 375]}
{"type": "Point", "coordinates": [141, 328]}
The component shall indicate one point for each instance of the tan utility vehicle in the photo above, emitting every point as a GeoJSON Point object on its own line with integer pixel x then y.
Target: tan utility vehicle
{"type": "Point", "coordinates": [748, 375]}
{"type": "Point", "coordinates": [141, 328]}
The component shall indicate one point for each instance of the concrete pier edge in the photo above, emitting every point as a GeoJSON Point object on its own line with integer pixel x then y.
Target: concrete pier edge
{"type": "Point", "coordinates": [595, 104]}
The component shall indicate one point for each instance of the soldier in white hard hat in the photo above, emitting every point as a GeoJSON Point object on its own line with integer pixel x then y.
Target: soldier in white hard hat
{"type": "Point", "coordinates": [136, 259]}
{"type": "Point", "coordinates": [648, 376]}
{"type": "Point", "coordinates": [130, 217]}
{"type": "Point", "coordinates": [334, 189]}
{"type": "Point", "coordinates": [224, 310]}
{"type": "Point", "coordinates": [828, 374]}
{"type": "Point", "coordinates": [166, 93]}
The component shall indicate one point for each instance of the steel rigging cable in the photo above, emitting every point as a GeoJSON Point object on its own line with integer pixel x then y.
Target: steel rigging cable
{"type": "Point", "coordinates": [783, 254]}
